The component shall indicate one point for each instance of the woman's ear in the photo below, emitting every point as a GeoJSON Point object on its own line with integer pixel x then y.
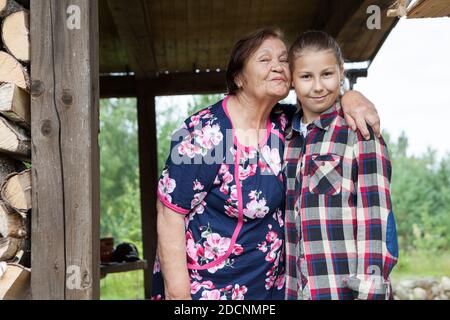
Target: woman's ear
{"type": "Point", "coordinates": [238, 81]}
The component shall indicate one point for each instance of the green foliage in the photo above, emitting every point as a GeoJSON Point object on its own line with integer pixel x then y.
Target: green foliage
{"type": "Point", "coordinates": [420, 198]}
{"type": "Point", "coordinates": [119, 171]}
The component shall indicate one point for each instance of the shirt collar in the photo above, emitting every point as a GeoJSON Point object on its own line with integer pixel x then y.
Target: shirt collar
{"type": "Point", "coordinates": [324, 120]}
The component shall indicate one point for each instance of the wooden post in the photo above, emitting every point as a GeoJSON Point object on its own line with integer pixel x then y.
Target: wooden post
{"type": "Point", "coordinates": [65, 154]}
{"type": "Point", "coordinates": [148, 176]}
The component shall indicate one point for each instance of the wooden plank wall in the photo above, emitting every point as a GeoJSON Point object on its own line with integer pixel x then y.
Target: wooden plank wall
{"type": "Point", "coordinates": [65, 153]}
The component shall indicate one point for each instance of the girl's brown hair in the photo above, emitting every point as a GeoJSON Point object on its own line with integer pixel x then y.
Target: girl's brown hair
{"type": "Point", "coordinates": [316, 41]}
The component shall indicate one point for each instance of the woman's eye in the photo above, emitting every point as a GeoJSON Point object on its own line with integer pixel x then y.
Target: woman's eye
{"type": "Point", "coordinates": [328, 74]}
{"type": "Point", "coordinates": [305, 76]}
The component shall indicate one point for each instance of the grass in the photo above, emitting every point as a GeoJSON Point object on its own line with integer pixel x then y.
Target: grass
{"type": "Point", "coordinates": [123, 286]}
{"type": "Point", "coordinates": [130, 285]}
{"type": "Point", "coordinates": [422, 264]}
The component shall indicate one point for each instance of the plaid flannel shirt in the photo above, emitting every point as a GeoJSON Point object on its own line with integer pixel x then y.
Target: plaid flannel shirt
{"type": "Point", "coordinates": [341, 240]}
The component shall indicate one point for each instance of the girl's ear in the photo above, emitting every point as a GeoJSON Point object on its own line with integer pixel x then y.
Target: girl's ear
{"type": "Point", "coordinates": [342, 72]}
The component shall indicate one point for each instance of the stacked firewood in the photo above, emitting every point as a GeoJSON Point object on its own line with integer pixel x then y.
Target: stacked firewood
{"type": "Point", "coordinates": [15, 150]}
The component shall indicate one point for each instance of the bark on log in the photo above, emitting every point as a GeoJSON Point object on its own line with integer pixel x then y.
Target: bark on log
{"type": "Point", "coordinates": [12, 71]}
{"type": "Point", "coordinates": [15, 283]}
{"type": "Point", "coordinates": [9, 6]}
{"type": "Point", "coordinates": [15, 104]}
{"type": "Point", "coordinates": [9, 248]}
{"type": "Point", "coordinates": [14, 140]}
{"type": "Point", "coordinates": [16, 35]}
{"type": "Point", "coordinates": [8, 166]}
{"type": "Point", "coordinates": [16, 192]}
{"type": "Point", "coordinates": [12, 224]}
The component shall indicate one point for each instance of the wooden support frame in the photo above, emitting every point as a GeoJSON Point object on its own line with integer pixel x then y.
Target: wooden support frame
{"type": "Point", "coordinates": [65, 153]}
{"type": "Point", "coordinates": [148, 174]}
{"type": "Point", "coordinates": [165, 85]}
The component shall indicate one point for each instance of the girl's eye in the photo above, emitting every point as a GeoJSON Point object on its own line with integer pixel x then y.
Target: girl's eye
{"type": "Point", "coordinates": [328, 74]}
{"type": "Point", "coordinates": [305, 76]}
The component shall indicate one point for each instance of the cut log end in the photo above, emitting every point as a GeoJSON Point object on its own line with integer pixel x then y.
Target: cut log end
{"type": "Point", "coordinates": [16, 35]}
{"type": "Point", "coordinates": [13, 72]}
{"type": "Point", "coordinates": [16, 191]}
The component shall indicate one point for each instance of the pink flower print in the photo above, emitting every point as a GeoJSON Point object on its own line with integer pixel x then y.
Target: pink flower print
{"type": "Point", "coordinates": [253, 195]}
{"type": "Point", "coordinates": [247, 172]}
{"type": "Point", "coordinates": [272, 255]}
{"type": "Point", "coordinates": [278, 216]}
{"type": "Point", "coordinates": [191, 248]}
{"type": "Point", "coordinates": [195, 120]}
{"type": "Point", "coordinates": [196, 286]}
{"type": "Point", "coordinates": [166, 185]}
{"type": "Point", "coordinates": [282, 119]}
{"type": "Point", "coordinates": [156, 266]}
{"type": "Point", "coordinates": [217, 267]}
{"type": "Point", "coordinates": [157, 297]}
{"type": "Point", "coordinates": [256, 209]}
{"type": "Point", "coordinates": [231, 211]}
{"type": "Point", "coordinates": [262, 165]}
{"type": "Point", "coordinates": [205, 113]}
{"type": "Point", "coordinates": [197, 203]}
{"type": "Point", "coordinates": [270, 280]}
{"type": "Point", "coordinates": [250, 154]}
{"type": "Point", "coordinates": [238, 249]}
{"type": "Point", "coordinates": [188, 149]}
{"type": "Point", "coordinates": [233, 193]}
{"type": "Point", "coordinates": [224, 168]}
{"type": "Point", "coordinates": [262, 246]}
{"type": "Point", "coordinates": [279, 282]}
{"type": "Point", "coordinates": [217, 181]}
{"type": "Point", "coordinates": [211, 295]}
{"type": "Point", "coordinates": [209, 136]}
{"type": "Point", "coordinates": [272, 158]}
{"type": "Point", "coordinates": [195, 275]}
{"type": "Point", "coordinates": [198, 185]}
{"type": "Point", "coordinates": [271, 236]}
{"type": "Point", "coordinates": [216, 246]}
{"type": "Point", "coordinates": [238, 292]}
{"type": "Point", "coordinates": [227, 178]}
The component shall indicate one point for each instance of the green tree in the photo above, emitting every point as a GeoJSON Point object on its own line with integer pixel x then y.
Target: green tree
{"type": "Point", "coordinates": [119, 170]}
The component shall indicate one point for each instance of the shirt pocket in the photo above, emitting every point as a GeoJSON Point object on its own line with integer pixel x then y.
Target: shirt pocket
{"type": "Point", "coordinates": [325, 174]}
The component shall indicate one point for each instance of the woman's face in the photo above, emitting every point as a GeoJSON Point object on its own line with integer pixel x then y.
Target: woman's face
{"type": "Point", "coordinates": [266, 73]}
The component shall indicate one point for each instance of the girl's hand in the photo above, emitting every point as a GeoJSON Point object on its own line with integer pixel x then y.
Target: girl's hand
{"type": "Point", "coordinates": [358, 111]}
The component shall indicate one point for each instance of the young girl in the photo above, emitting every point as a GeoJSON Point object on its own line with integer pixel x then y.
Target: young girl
{"type": "Point", "coordinates": [341, 240]}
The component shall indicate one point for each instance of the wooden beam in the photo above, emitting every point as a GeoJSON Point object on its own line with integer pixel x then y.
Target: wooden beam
{"type": "Point", "coordinates": [65, 152]}
{"type": "Point", "coordinates": [358, 43]}
{"type": "Point", "coordinates": [148, 175]}
{"type": "Point", "coordinates": [133, 26]}
{"type": "Point", "coordinates": [165, 85]}
{"type": "Point", "coordinates": [429, 9]}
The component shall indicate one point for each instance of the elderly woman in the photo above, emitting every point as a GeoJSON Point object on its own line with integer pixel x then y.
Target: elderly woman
{"type": "Point", "coordinates": [222, 193]}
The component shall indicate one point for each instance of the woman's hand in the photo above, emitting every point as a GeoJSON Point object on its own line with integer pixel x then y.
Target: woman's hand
{"type": "Point", "coordinates": [358, 111]}
{"type": "Point", "coordinates": [172, 253]}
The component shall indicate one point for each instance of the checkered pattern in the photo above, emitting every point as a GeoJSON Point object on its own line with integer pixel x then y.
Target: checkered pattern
{"type": "Point", "coordinates": [341, 240]}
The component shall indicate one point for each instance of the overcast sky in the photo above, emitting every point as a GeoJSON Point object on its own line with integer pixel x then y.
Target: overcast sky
{"type": "Point", "coordinates": [409, 83]}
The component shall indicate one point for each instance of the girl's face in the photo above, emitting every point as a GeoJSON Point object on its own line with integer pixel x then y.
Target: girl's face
{"type": "Point", "coordinates": [316, 78]}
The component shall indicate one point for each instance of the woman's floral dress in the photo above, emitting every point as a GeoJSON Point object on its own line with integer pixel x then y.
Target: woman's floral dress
{"type": "Point", "coordinates": [232, 197]}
